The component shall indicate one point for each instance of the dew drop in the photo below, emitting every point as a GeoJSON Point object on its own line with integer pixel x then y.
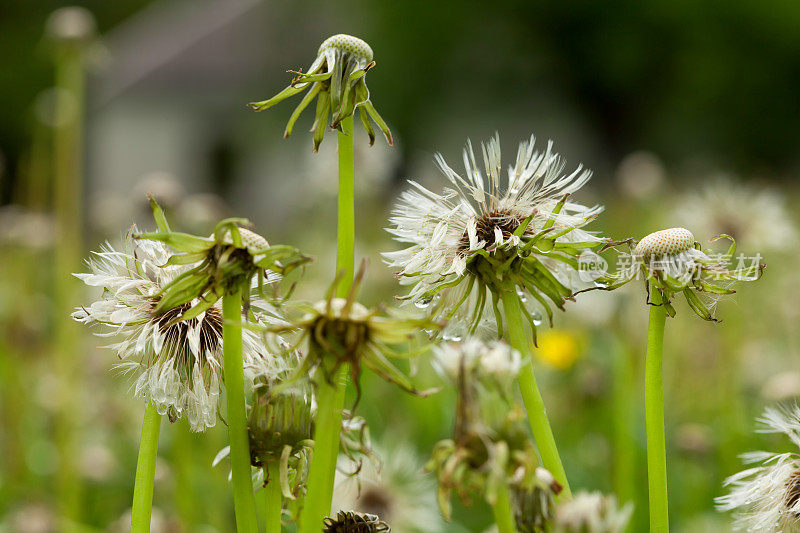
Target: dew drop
{"type": "Point", "coordinates": [522, 296]}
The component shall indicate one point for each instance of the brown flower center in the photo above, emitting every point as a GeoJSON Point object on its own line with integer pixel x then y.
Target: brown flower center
{"type": "Point", "coordinates": [504, 219]}
{"type": "Point", "coordinates": [792, 489]}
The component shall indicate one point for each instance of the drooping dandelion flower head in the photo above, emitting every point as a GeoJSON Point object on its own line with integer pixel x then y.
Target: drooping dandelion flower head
{"type": "Point", "coordinates": [766, 496]}
{"type": "Point", "coordinates": [229, 261]}
{"type": "Point", "coordinates": [177, 361]}
{"type": "Point", "coordinates": [487, 234]}
{"type": "Point", "coordinates": [337, 79]}
{"type": "Point", "coordinates": [341, 331]}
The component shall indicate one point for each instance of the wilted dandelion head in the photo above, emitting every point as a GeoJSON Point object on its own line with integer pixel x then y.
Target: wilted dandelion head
{"type": "Point", "coordinates": [177, 361]}
{"type": "Point", "coordinates": [766, 497]}
{"type": "Point", "coordinates": [486, 234]}
{"type": "Point", "coordinates": [341, 331]}
{"type": "Point", "coordinates": [490, 447]}
{"type": "Point", "coordinates": [337, 79]}
{"type": "Point", "coordinates": [671, 262]}
{"type": "Point", "coordinates": [229, 261]}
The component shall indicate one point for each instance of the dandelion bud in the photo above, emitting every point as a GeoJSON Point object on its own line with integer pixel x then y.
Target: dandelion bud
{"type": "Point", "coordinates": [277, 421]}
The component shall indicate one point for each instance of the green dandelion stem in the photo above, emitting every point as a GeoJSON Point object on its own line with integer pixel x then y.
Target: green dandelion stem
{"type": "Point", "coordinates": [145, 470]}
{"type": "Point", "coordinates": [501, 508]}
{"type": "Point", "coordinates": [67, 186]}
{"type": "Point", "coordinates": [345, 245]}
{"type": "Point", "coordinates": [534, 405]}
{"type": "Point", "coordinates": [654, 416]}
{"type": "Point", "coordinates": [331, 395]}
{"type": "Point", "coordinates": [243, 499]}
{"type": "Point", "coordinates": [273, 499]}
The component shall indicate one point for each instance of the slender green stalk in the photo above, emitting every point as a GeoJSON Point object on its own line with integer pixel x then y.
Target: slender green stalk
{"type": "Point", "coordinates": [346, 230]}
{"type": "Point", "coordinates": [243, 498]}
{"type": "Point", "coordinates": [654, 416]}
{"type": "Point", "coordinates": [145, 470]}
{"type": "Point", "coordinates": [501, 508]}
{"type": "Point", "coordinates": [534, 405]}
{"type": "Point", "coordinates": [330, 396]}
{"type": "Point", "coordinates": [67, 183]}
{"type": "Point", "coordinates": [273, 503]}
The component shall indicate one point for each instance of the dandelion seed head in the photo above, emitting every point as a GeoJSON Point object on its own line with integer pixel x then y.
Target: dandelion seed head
{"type": "Point", "coordinates": [766, 495]}
{"type": "Point", "coordinates": [665, 242]}
{"type": "Point", "coordinates": [176, 363]}
{"type": "Point", "coordinates": [469, 238]}
{"type": "Point", "coordinates": [347, 43]}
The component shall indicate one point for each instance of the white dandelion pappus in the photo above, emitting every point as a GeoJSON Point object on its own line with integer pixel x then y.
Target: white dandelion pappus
{"type": "Point", "coordinates": [757, 217]}
{"type": "Point", "coordinates": [766, 497]}
{"type": "Point", "coordinates": [177, 364]}
{"type": "Point", "coordinates": [494, 360]}
{"type": "Point", "coordinates": [486, 230]}
{"type": "Point", "coordinates": [591, 512]}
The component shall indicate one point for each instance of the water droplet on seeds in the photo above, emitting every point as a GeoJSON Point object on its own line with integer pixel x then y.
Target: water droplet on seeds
{"type": "Point", "coordinates": [451, 337]}
{"type": "Point", "coordinates": [537, 318]}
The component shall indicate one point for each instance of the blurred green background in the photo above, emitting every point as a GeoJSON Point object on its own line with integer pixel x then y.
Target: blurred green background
{"type": "Point", "coordinates": [688, 112]}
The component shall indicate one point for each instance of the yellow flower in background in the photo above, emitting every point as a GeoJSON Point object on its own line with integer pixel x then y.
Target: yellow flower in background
{"type": "Point", "coordinates": [559, 349]}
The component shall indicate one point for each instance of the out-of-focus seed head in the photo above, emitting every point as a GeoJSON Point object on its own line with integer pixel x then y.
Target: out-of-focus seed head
{"type": "Point", "coordinates": [71, 24]}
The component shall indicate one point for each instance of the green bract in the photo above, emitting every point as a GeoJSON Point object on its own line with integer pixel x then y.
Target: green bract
{"type": "Point", "coordinates": [225, 262]}
{"type": "Point", "coordinates": [337, 78]}
{"type": "Point", "coordinates": [341, 331]}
